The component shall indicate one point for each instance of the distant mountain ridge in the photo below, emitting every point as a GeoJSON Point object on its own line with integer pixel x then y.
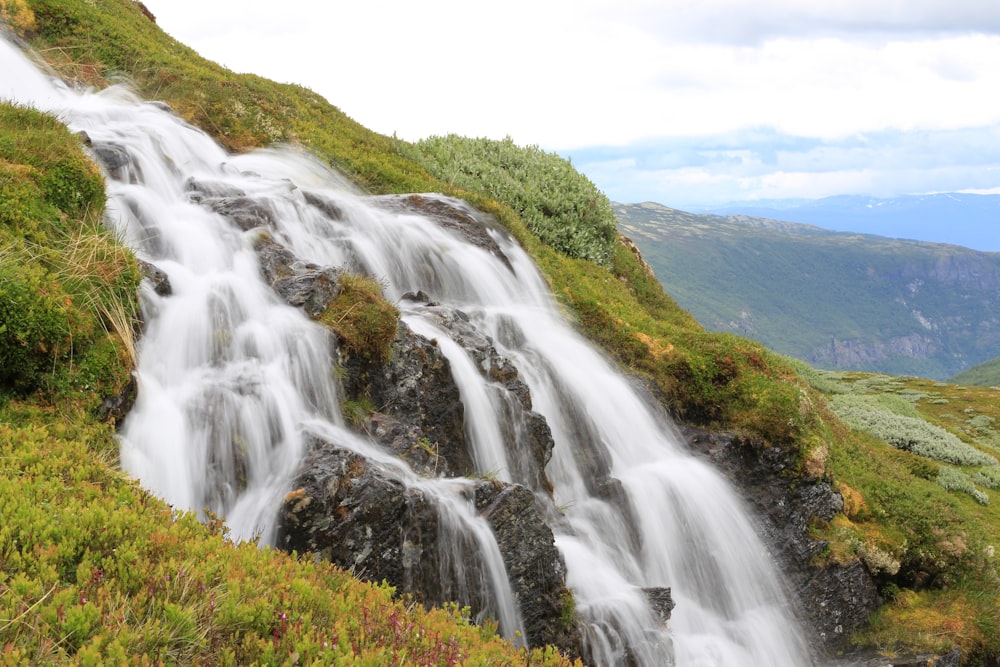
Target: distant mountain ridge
{"type": "Point", "coordinates": [834, 299]}
{"type": "Point", "coordinates": [963, 219]}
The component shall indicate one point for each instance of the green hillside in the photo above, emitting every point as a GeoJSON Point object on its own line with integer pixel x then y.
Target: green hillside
{"type": "Point", "coordinates": [986, 374]}
{"type": "Point", "coordinates": [93, 569]}
{"type": "Point", "coordinates": [836, 300]}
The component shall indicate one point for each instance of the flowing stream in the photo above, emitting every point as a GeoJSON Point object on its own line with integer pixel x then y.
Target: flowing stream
{"type": "Point", "coordinates": [225, 364]}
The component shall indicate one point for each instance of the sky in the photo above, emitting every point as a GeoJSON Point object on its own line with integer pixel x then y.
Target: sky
{"type": "Point", "coordinates": [689, 103]}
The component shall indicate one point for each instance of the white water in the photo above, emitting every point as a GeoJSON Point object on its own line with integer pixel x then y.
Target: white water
{"type": "Point", "coordinates": [232, 380]}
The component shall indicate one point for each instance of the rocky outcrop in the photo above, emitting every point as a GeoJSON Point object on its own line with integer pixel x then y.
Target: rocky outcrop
{"type": "Point", "coordinates": [418, 411]}
{"type": "Point", "coordinates": [365, 517]}
{"type": "Point", "coordinates": [232, 203]}
{"type": "Point", "coordinates": [450, 213]}
{"type": "Point", "coordinates": [835, 600]}
{"type": "Point", "coordinates": [863, 354]}
{"type": "Point", "coordinates": [301, 284]}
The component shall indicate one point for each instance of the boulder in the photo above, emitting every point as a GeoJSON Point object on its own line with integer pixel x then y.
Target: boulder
{"type": "Point", "coordinates": [358, 514]}
{"type": "Point", "coordinates": [450, 213]}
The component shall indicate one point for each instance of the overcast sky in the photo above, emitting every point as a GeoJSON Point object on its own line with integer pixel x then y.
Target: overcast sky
{"type": "Point", "coordinates": [684, 102]}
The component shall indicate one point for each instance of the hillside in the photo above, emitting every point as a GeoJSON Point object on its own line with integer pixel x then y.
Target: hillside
{"type": "Point", "coordinates": [833, 299]}
{"type": "Point", "coordinates": [94, 569]}
{"type": "Point", "coordinates": [986, 374]}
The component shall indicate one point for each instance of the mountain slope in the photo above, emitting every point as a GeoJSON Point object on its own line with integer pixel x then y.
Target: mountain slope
{"type": "Point", "coordinates": [834, 299]}
{"type": "Point", "coordinates": [986, 374]}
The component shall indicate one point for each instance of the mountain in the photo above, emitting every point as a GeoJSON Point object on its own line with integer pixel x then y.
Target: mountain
{"type": "Point", "coordinates": [958, 218]}
{"type": "Point", "coordinates": [833, 299]}
{"type": "Point", "coordinates": [986, 374]}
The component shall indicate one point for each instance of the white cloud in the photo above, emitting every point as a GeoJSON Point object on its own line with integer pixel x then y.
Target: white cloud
{"type": "Point", "coordinates": [567, 74]}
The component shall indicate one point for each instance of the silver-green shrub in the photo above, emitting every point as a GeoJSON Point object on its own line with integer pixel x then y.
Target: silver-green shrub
{"type": "Point", "coordinates": [559, 204]}
{"type": "Point", "coordinates": [954, 479]}
{"type": "Point", "coordinates": [908, 433]}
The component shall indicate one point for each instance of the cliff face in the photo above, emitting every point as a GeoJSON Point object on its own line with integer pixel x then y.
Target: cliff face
{"type": "Point", "coordinates": [836, 300]}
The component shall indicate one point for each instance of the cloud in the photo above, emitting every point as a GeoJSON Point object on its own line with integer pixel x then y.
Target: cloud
{"type": "Point", "coordinates": [761, 163]}
{"type": "Point", "coordinates": [754, 98]}
{"type": "Point", "coordinates": [744, 23]}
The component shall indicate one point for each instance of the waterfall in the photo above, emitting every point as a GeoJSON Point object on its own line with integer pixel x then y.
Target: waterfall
{"type": "Point", "coordinates": [233, 383]}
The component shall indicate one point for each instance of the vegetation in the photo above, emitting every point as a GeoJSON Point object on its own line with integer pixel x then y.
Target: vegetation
{"type": "Point", "coordinates": [933, 551]}
{"type": "Point", "coordinates": [558, 203]}
{"type": "Point", "coordinates": [836, 300]}
{"type": "Point", "coordinates": [986, 374]}
{"type": "Point", "coordinates": [365, 322]}
{"type": "Point", "coordinates": [94, 569]}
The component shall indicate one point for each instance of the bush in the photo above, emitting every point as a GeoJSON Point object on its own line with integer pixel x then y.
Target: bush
{"type": "Point", "coordinates": [954, 479]}
{"type": "Point", "coordinates": [558, 204]}
{"type": "Point", "coordinates": [908, 433]}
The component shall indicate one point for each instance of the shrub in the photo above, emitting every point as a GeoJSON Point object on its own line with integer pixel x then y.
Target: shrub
{"type": "Point", "coordinates": [907, 433]}
{"type": "Point", "coordinates": [558, 204]}
{"type": "Point", "coordinates": [954, 479]}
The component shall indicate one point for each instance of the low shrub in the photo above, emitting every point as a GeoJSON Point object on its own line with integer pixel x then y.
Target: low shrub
{"type": "Point", "coordinates": [908, 433]}
{"type": "Point", "coordinates": [558, 204]}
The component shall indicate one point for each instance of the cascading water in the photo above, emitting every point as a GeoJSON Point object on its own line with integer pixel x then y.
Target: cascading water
{"type": "Point", "coordinates": [233, 382]}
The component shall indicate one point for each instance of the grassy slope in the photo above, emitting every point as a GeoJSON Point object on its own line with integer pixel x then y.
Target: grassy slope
{"type": "Point", "coordinates": [717, 380]}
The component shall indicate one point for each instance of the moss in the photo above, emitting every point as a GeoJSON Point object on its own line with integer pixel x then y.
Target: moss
{"type": "Point", "coordinates": [363, 320]}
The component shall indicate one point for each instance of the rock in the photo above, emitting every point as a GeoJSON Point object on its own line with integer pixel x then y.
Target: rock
{"type": "Point", "coordinates": [527, 436]}
{"type": "Point", "coordinates": [116, 408]}
{"type": "Point", "coordinates": [301, 284]}
{"type": "Point", "coordinates": [661, 603]}
{"type": "Point", "coordinates": [352, 512]}
{"type": "Point", "coordinates": [117, 162]}
{"type": "Point", "coordinates": [450, 213]}
{"type": "Point", "coordinates": [414, 387]}
{"type": "Point", "coordinates": [534, 565]}
{"type": "Point", "coordinates": [158, 278]}
{"type": "Point", "coordinates": [835, 600]}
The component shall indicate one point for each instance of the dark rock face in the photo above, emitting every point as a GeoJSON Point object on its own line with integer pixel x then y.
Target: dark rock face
{"type": "Point", "coordinates": [534, 566]}
{"type": "Point", "coordinates": [301, 284]}
{"type": "Point", "coordinates": [417, 400]}
{"type": "Point", "coordinates": [117, 162]}
{"type": "Point", "coordinates": [232, 203]}
{"type": "Point", "coordinates": [347, 510]}
{"type": "Point", "coordinates": [156, 277]}
{"type": "Point", "coordinates": [834, 600]}
{"type": "Point", "coordinates": [526, 434]}
{"type": "Point", "coordinates": [450, 213]}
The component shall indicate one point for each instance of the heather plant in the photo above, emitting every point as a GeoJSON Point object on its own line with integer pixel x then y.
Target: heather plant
{"type": "Point", "coordinates": [559, 204]}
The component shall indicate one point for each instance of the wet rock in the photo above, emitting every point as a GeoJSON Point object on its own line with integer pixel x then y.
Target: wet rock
{"type": "Point", "coordinates": [414, 387]}
{"type": "Point", "coordinates": [116, 161]}
{"type": "Point", "coordinates": [352, 512]}
{"type": "Point", "coordinates": [301, 284]}
{"type": "Point", "coordinates": [328, 206]}
{"type": "Point", "coordinates": [158, 278]}
{"type": "Point", "coordinates": [450, 213]}
{"type": "Point", "coordinates": [527, 436]}
{"type": "Point", "coordinates": [116, 408]}
{"type": "Point", "coordinates": [661, 603]}
{"type": "Point", "coordinates": [230, 202]}
{"type": "Point", "coordinates": [534, 565]}
{"type": "Point", "coordinates": [834, 600]}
